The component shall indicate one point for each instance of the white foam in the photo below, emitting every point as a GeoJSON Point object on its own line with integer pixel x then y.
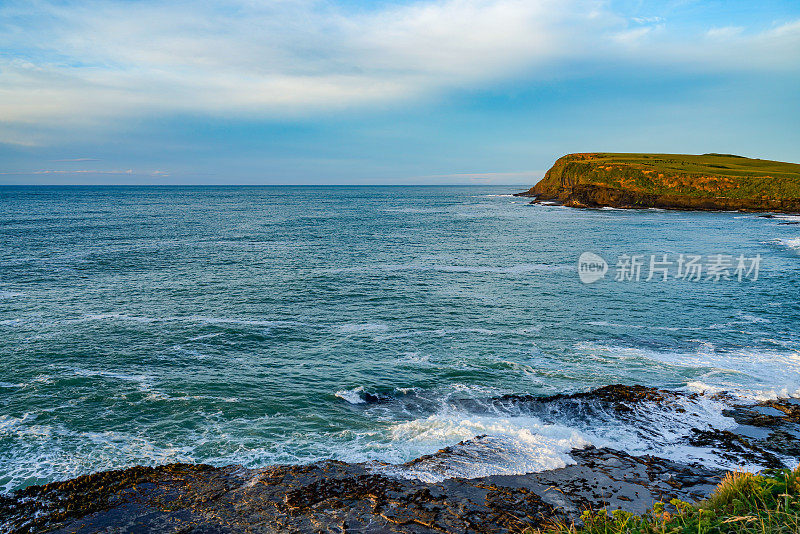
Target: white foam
{"type": "Point", "coordinates": [42, 453]}
{"type": "Point", "coordinates": [662, 429]}
{"type": "Point", "coordinates": [514, 445]}
{"type": "Point", "coordinates": [746, 373]}
{"type": "Point", "coordinates": [790, 243]}
{"type": "Point", "coordinates": [363, 327]}
{"type": "Point", "coordinates": [206, 336]}
{"type": "Point", "coordinates": [413, 210]}
{"type": "Point", "coordinates": [521, 268]}
{"type": "Point", "coordinates": [639, 326]}
{"type": "Point", "coordinates": [416, 358]}
{"type": "Point", "coordinates": [511, 269]}
{"type": "Point", "coordinates": [788, 217]}
{"type": "Point", "coordinates": [188, 318]}
{"type": "Point", "coordinates": [353, 396]}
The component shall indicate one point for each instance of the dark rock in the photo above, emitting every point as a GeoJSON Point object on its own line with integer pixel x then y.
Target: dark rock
{"type": "Point", "coordinates": [614, 393]}
{"type": "Point", "coordinates": [734, 447]}
{"type": "Point", "coordinates": [334, 496]}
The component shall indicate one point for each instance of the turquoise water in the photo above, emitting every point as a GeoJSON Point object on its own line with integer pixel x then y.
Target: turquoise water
{"type": "Point", "coordinates": [263, 325]}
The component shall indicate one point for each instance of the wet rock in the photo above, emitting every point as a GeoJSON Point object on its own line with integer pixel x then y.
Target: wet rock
{"type": "Point", "coordinates": [335, 496]}
{"type": "Point", "coordinates": [339, 497]}
{"type": "Point", "coordinates": [607, 478]}
{"type": "Point", "coordinates": [735, 448]}
{"type": "Point", "coordinates": [783, 442]}
{"type": "Point", "coordinates": [329, 496]}
{"type": "Point", "coordinates": [778, 425]}
{"type": "Point", "coordinates": [619, 397]}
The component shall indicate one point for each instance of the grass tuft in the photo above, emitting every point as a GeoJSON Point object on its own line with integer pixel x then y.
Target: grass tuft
{"type": "Point", "coordinates": [743, 503]}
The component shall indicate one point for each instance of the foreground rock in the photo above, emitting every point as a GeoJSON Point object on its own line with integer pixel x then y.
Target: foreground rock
{"type": "Point", "coordinates": [338, 497]}
{"type": "Point", "coordinates": [671, 181]}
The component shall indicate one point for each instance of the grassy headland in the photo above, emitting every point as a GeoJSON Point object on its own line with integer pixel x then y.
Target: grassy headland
{"type": "Point", "coordinates": [673, 181]}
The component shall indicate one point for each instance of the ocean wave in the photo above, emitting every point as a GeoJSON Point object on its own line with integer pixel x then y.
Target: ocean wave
{"type": "Point", "coordinates": [353, 396]}
{"type": "Point", "coordinates": [745, 318]}
{"type": "Point", "coordinates": [115, 316]}
{"type": "Point", "coordinates": [477, 437]}
{"type": "Point", "coordinates": [520, 433]}
{"type": "Point", "coordinates": [362, 327]}
{"type": "Point", "coordinates": [507, 446]}
{"type": "Point", "coordinates": [647, 327]}
{"type": "Point", "coordinates": [518, 269]}
{"type": "Point", "coordinates": [751, 374]}
{"type": "Point", "coordinates": [790, 243]}
{"type": "Point", "coordinates": [42, 453]}
{"type": "Point", "coordinates": [521, 268]}
{"type": "Point", "coordinates": [414, 211]}
{"type": "Point", "coordinates": [462, 431]}
{"type": "Point", "coordinates": [786, 217]}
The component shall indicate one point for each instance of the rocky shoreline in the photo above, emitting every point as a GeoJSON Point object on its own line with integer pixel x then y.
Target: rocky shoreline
{"type": "Point", "coordinates": [594, 196]}
{"type": "Point", "coordinates": [333, 496]}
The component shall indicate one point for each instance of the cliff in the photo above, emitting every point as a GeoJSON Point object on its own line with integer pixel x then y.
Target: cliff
{"type": "Point", "coordinates": [671, 181]}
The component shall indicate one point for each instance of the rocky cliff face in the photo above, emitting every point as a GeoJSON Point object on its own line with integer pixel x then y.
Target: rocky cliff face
{"type": "Point", "coordinates": [671, 181]}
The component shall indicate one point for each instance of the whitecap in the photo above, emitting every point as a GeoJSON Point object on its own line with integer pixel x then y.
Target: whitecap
{"type": "Point", "coordinates": [512, 445]}
{"type": "Point", "coordinates": [353, 396]}
{"type": "Point", "coordinates": [751, 374]}
{"type": "Point", "coordinates": [362, 327]}
{"type": "Point", "coordinates": [790, 243]}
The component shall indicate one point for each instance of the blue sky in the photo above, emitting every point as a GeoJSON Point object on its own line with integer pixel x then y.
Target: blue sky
{"type": "Point", "coordinates": [445, 91]}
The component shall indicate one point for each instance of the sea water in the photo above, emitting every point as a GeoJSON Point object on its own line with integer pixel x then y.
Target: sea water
{"type": "Point", "coordinates": [269, 325]}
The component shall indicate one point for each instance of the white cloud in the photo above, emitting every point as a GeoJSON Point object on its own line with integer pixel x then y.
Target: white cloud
{"type": "Point", "coordinates": [632, 36]}
{"type": "Point", "coordinates": [647, 20]}
{"type": "Point", "coordinates": [724, 32]}
{"type": "Point", "coordinates": [486, 177]}
{"type": "Point", "coordinates": [129, 172]}
{"type": "Point", "coordinates": [102, 61]}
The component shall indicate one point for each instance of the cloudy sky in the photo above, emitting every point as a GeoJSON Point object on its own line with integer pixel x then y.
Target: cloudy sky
{"type": "Point", "coordinates": [384, 91]}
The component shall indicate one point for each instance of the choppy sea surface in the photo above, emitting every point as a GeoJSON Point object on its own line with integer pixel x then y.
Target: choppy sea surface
{"type": "Point", "coordinates": [266, 325]}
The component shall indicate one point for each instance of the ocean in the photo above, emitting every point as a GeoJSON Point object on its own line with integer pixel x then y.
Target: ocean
{"type": "Point", "coordinates": [274, 325]}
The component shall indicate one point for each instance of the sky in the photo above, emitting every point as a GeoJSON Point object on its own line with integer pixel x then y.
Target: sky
{"type": "Point", "coordinates": [383, 91]}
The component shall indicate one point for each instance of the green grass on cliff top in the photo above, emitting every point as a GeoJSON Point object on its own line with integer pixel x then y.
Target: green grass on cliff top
{"type": "Point", "coordinates": [746, 177]}
{"type": "Point", "coordinates": [720, 164]}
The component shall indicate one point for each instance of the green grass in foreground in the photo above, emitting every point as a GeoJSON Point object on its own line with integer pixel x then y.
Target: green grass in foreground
{"type": "Point", "coordinates": [742, 504]}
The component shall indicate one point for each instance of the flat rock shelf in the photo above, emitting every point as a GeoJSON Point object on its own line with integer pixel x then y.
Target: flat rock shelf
{"type": "Point", "coordinates": [334, 496]}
